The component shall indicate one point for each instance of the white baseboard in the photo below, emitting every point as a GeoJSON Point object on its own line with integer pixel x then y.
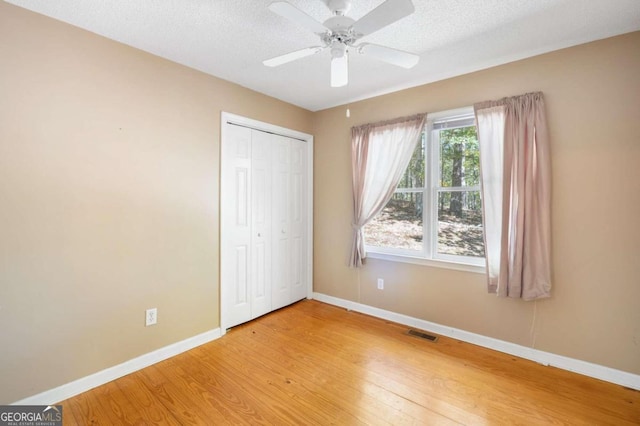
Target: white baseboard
{"type": "Point", "coordinates": [619, 377]}
{"type": "Point", "coordinates": [76, 387]}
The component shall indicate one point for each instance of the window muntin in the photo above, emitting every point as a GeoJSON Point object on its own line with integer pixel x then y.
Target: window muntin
{"type": "Point", "coordinates": [436, 211]}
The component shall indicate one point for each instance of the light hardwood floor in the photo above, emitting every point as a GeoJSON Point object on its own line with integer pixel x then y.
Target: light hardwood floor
{"type": "Point", "coordinates": [312, 363]}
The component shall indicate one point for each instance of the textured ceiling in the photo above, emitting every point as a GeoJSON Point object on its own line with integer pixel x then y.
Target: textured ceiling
{"type": "Point", "coordinates": [230, 38]}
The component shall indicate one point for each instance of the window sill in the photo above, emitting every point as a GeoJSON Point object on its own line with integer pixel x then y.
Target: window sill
{"type": "Point", "coordinates": [403, 258]}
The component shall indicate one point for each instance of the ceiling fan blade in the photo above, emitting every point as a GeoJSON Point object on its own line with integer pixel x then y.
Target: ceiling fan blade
{"type": "Point", "coordinates": [340, 71]}
{"type": "Point", "coordinates": [387, 13]}
{"type": "Point", "coordinates": [292, 13]}
{"type": "Point", "coordinates": [389, 55]}
{"type": "Point", "coordinates": [292, 56]}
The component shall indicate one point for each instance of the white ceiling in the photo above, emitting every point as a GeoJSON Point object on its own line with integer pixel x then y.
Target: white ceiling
{"type": "Point", "coordinates": [230, 38]}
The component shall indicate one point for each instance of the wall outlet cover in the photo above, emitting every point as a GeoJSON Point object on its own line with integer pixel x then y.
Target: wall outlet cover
{"type": "Point", "coordinates": [151, 317]}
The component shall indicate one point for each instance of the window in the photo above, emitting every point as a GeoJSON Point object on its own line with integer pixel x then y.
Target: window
{"type": "Point", "coordinates": [436, 211]}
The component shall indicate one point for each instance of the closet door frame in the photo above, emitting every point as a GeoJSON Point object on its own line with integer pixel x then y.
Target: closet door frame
{"type": "Point", "coordinates": [233, 119]}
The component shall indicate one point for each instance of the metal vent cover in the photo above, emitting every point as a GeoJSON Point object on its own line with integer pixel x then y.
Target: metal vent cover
{"type": "Point", "coordinates": [422, 335]}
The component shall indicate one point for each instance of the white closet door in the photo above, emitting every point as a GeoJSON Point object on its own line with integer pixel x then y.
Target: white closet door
{"type": "Point", "coordinates": [298, 222]}
{"type": "Point", "coordinates": [261, 170]}
{"type": "Point", "coordinates": [264, 209]}
{"type": "Point", "coordinates": [235, 193]}
{"type": "Point", "coordinates": [281, 196]}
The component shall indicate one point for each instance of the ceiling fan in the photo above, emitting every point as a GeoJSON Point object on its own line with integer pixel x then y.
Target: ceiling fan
{"type": "Point", "coordinates": [340, 33]}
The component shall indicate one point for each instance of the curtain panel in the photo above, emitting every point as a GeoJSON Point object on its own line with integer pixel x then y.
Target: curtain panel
{"type": "Point", "coordinates": [380, 154]}
{"type": "Point", "coordinates": [515, 167]}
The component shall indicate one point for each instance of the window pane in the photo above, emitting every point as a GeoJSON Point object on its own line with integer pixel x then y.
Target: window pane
{"type": "Point", "coordinates": [459, 157]}
{"type": "Point", "coordinates": [414, 175]}
{"type": "Point", "coordinates": [460, 223]}
{"type": "Point", "coordinates": [399, 224]}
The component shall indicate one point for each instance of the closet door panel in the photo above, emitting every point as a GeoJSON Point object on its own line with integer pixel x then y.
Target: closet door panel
{"type": "Point", "coordinates": [281, 196]}
{"type": "Point", "coordinates": [235, 256]}
{"type": "Point", "coordinates": [261, 223]}
{"type": "Point", "coordinates": [298, 222]}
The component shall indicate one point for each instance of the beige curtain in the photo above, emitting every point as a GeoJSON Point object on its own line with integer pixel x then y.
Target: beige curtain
{"type": "Point", "coordinates": [380, 154]}
{"type": "Point", "coordinates": [516, 195]}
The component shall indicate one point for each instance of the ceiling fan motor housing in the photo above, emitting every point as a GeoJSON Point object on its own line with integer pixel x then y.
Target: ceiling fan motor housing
{"type": "Point", "coordinates": [338, 23]}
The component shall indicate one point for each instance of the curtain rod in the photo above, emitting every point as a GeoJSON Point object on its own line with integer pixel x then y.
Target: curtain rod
{"type": "Point", "coordinates": [393, 121]}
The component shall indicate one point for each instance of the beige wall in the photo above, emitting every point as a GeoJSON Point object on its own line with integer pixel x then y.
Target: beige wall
{"type": "Point", "coordinates": [109, 165]}
{"type": "Point", "coordinates": [592, 94]}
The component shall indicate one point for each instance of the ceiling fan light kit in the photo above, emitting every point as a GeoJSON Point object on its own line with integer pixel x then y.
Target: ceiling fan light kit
{"type": "Point", "coordinates": [340, 33]}
{"type": "Point", "coordinates": [340, 71]}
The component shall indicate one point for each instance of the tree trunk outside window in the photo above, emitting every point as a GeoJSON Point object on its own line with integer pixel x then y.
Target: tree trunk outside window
{"type": "Point", "coordinates": [455, 207]}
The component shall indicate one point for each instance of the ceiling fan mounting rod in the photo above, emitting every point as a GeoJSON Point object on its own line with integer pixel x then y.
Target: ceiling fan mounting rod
{"type": "Point", "coordinates": [339, 7]}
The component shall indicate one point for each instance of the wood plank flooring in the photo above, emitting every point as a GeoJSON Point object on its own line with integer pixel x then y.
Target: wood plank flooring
{"type": "Point", "coordinates": [312, 363]}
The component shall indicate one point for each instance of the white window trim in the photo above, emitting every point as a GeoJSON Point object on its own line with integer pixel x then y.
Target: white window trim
{"type": "Point", "coordinates": [429, 255]}
{"type": "Point", "coordinates": [436, 263]}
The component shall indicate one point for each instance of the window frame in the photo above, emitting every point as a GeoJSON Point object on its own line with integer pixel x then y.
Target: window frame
{"type": "Point", "coordinates": [429, 254]}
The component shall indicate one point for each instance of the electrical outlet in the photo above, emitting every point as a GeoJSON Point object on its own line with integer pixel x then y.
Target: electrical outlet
{"type": "Point", "coordinates": [151, 317]}
{"type": "Point", "coordinates": [380, 284]}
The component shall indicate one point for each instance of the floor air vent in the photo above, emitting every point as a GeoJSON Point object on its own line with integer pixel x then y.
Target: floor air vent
{"type": "Point", "coordinates": [420, 334]}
